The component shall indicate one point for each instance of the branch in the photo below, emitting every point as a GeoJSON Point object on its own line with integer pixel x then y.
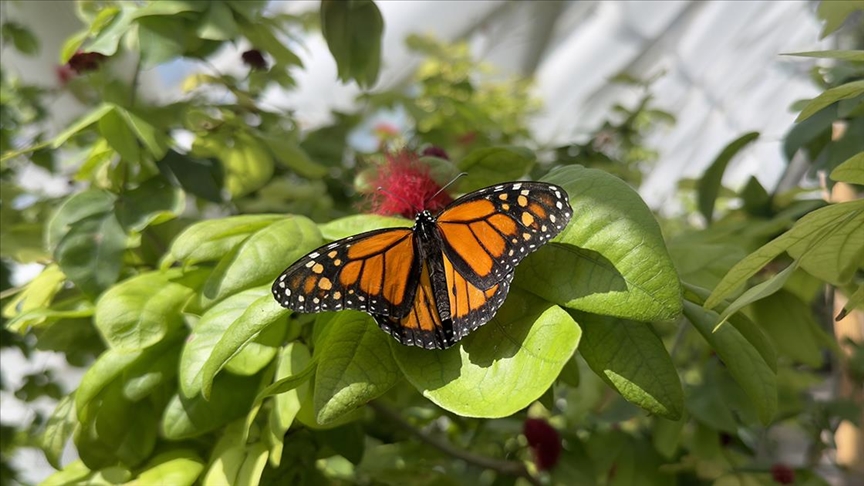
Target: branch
{"type": "Point", "coordinates": [511, 468]}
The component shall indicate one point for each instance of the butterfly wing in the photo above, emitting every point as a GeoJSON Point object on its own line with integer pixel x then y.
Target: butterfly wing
{"type": "Point", "coordinates": [376, 272]}
{"type": "Point", "coordinates": [468, 307]}
{"type": "Point", "coordinates": [486, 233]}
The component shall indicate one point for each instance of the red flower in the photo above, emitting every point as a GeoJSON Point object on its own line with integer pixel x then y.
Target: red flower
{"type": "Point", "coordinates": [406, 187]}
{"type": "Point", "coordinates": [254, 59]}
{"type": "Point", "coordinates": [782, 474]}
{"type": "Point", "coordinates": [544, 441]}
{"type": "Point", "coordinates": [82, 62]}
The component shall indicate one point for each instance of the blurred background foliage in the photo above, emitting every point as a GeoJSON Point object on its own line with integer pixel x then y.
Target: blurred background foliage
{"type": "Point", "coordinates": [139, 173]}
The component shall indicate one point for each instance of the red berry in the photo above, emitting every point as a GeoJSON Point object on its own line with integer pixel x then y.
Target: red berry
{"type": "Point", "coordinates": [545, 442]}
{"type": "Point", "coordinates": [782, 474]}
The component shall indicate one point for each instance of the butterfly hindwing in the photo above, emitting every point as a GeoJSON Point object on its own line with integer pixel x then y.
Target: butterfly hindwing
{"type": "Point", "coordinates": [374, 272]}
{"type": "Point", "coordinates": [486, 233]}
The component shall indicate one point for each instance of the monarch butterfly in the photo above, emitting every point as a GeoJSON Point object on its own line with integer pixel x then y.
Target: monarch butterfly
{"type": "Point", "coordinates": [432, 284]}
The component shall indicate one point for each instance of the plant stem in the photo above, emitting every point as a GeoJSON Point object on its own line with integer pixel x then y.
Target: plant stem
{"type": "Point", "coordinates": [511, 468]}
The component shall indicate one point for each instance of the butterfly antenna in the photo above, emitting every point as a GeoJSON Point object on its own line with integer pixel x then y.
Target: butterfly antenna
{"type": "Point", "coordinates": [461, 174]}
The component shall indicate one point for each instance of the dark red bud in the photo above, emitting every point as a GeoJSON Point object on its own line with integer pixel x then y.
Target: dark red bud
{"type": "Point", "coordinates": [433, 151]}
{"type": "Point", "coordinates": [82, 62]}
{"type": "Point", "coordinates": [544, 441]}
{"type": "Point", "coordinates": [254, 59]}
{"type": "Point", "coordinates": [782, 474]}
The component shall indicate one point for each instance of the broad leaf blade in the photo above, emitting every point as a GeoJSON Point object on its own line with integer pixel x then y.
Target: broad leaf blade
{"type": "Point", "coordinates": [614, 240]}
{"type": "Point", "coordinates": [709, 183]}
{"type": "Point", "coordinates": [500, 368]}
{"type": "Point", "coordinates": [630, 357]}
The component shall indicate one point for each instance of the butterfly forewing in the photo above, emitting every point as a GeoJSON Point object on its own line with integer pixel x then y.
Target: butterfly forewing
{"type": "Point", "coordinates": [373, 272]}
{"type": "Point", "coordinates": [488, 232]}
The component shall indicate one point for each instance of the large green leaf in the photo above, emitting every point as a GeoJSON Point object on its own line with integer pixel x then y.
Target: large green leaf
{"type": "Point", "coordinates": [247, 164]}
{"type": "Point", "coordinates": [240, 465]}
{"type": "Point", "coordinates": [142, 310]}
{"type": "Point", "coordinates": [206, 334]}
{"type": "Point", "coordinates": [742, 359]}
{"type": "Point", "coordinates": [91, 253]}
{"type": "Point", "coordinates": [355, 366]}
{"type": "Point", "coordinates": [82, 123]}
{"type": "Point", "coordinates": [231, 399]}
{"type": "Point", "coordinates": [491, 165]}
{"type": "Point", "coordinates": [294, 359]}
{"type": "Point", "coordinates": [611, 258]}
{"type": "Point", "coordinates": [58, 430]}
{"type": "Point", "coordinates": [827, 242]}
{"type": "Point", "coordinates": [179, 467]}
{"type": "Point", "coordinates": [119, 136]}
{"type": "Point", "coordinates": [831, 96]}
{"type": "Point", "coordinates": [152, 202]}
{"type": "Point", "coordinates": [353, 32]}
{"type": "Point", "coordinates": [261, 258]}
{"type": "Point", "coordinates": [630, 357]}
{"type": "Point", "coordinates": [75, 208]}
{"type": "Point", "coordinates": [38, 294]}
{"type": "Point", "coordinates": [210, 240]}
{"type": "Point", "coordinates": [500, 368]}
{"type": "Point", "coordinates": [127, 429]}
{"type": "Point", "coordinates": [260, 315]}
{"type": "Point", "coordinates": [851, 171]}
{"type": "Point", "coordinates": [289, 154]}
{"type": "Point", "coordinates": [789, 322]}
{"type": "Point", "coordinates": [710, 182]}
{"type": "Point", "coordinates": [201, 177]}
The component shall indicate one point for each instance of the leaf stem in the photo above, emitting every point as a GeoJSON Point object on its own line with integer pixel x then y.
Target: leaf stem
{"type": "Point", "coordinates": [511, 468]}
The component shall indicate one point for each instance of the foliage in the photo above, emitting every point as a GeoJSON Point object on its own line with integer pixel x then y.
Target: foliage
{"type": "Point", "coordinates": [158, 265]}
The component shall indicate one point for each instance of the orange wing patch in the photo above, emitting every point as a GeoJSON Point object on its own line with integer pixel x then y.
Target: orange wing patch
{"type": "Point", "coordinates": [422, 326]}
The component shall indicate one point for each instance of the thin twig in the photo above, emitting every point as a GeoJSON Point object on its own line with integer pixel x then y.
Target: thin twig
{"type": "Point", "coordinates": [511, 468]}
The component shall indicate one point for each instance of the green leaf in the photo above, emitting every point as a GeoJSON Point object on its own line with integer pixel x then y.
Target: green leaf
{"type": "Point", "coordinates": [75, 208]}
{"type": "Point", "coordinates": [827, 243]}
{"type": "Point", "coordinates": [293, 362]}
{"type": "Point", "coordinates": [704, 263]}
{"type": "Point", "coordinates": [355, 366]}
{"type": "Point", "coordinates": [613, 238]}
{"type": "Point", "coordinates": [667, 435]}
{"type": "Point", "coordinates": [108, 38]}
{"type": "Point", "coordinates": [261, 315]}
{"type": "Point", "coordinates": [359, 223]}
{"type": "Point", "coordinates": [58, 430]}
{"type": "Point", "coordinates": [789, 322]}
{"type": "Point", "coordinates": [119, 136]}
{"type": "Point", "coordinates": [759, 291]}
{"type": "Point", "coordinates": [108, 367]}
{"type": "Point", "coordinates": [240, 465]}
{"type": "Point", "coordinates": [290, 155]}
{"type": "Point", "coordinates": [261, 258]}
{"type": "Point", "coordinates": [630, 357]}
{"type": "Point", "coordinates": [127, 429]}
{"type": "Point", "coordinates": [210, 240]}
{"type": "Point", "coordinates": [158, 364]}
{"type": "Point", "coordinates": [21, 37]}
{"type": "Point", "coordinates": [161, 39]}
{"type": "Point", "coordinates": [207, 333]}
{"type": "Point", "coordinates": [248, 166]}
{"type": "Point", "coordinates": [835, 12]}
{"type": "Point", "coordinates": [856, 300]}
{"type": "Point", "coordinates": [851, 171]}
{"type": "Point", "coordinates": [179, 467]}
{"type": "Point", "coordinates": [850, 56]}
{"type": "Point", "coordinates": [831, 96]}
{"type": "Point", "coordinates": [91, 253]}
{"type": "Point", "coordinates": [491, 165]}
{"type": "Point", "coordinates": [353, 32]}
{"type": "Point", "coordinates": [710, 182]}
{"type": "Point", "coordinates": [151, 203]}
{"type": "Point", "coordinates": [743, 361]}
{"type": "Point", "coordinates": [218, 23]}
{"type": "Point", "coordinates": [142, 310]}
{"type": "Point", "coordinates": [155, 141]}
{"type": "Point", "coordinates": [500, 368]}
{"type": "Point", "coordinates": [74, 473]}
{"type": "Point", "coordinates": [741, 322]}
{"type": "Point", "coordinates": [38, 293]}
{"type": "Point", "coordinates": [201, 177]}
{"type": "Point", "coordinates": [191, 417]}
